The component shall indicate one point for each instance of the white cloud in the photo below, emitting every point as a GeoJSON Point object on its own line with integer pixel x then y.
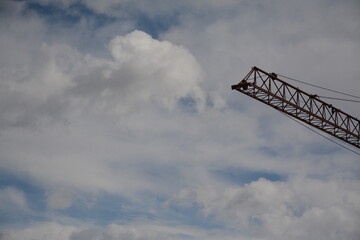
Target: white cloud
{"type": "Point", "coordinates": [297, 209]}
{"type": "Point", "coordinates": [45, 231]}
{"type": "Point", "coordinates": [62, 80]}
{"type": "Point", "coordinates": [63, 89]}
{"type": "Point", "coordinates": [154, 70]}
{"type": "Point", "coordinates": [140, 231]}
{"type": "Point", "coordinates": [115, 231]}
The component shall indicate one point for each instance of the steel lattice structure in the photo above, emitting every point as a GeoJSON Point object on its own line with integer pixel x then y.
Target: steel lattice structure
{"type": "Point", "coordinates": [269, 89]}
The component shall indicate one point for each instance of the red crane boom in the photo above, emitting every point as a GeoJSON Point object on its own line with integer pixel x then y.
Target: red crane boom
{"type": "Point", "coordinates": [269, 89]}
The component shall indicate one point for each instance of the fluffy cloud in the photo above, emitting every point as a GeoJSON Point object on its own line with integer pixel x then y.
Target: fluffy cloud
{"type": "Point", "coordinates": [298, 209]}
{"type": "Point", "coordinates": [62, 88]}
{"type": "Point", "coordinates": [61, 80]}
{"type": "Point", "coordinates": [149, 70]}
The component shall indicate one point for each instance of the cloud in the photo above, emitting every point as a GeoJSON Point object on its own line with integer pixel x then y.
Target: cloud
{"type": "Point", "coordinates": [46, 231]}
{"type": "Point", "coordinates": [62, 81]}
{"type": "Point", "coordinates": [111, 232]}
{"type": "Point", "coordinates": [60, 199]}
{"type": "Point", "coordinates": [148, 70]}
{"type": "Point", "coordinates": [115, 231]}
{"type": "Point", "coordinates": [298, 209]}
{"type": "Point", "coordinates": [53, 86]}
{"type": "Point", "coordinates": [12, 199]}
{"type": "Point", "coordinates": [14, 207]}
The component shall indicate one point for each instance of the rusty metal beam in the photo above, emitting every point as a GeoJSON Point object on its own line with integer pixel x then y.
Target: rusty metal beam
{"type": "Point", "coordinates": [269, 89]}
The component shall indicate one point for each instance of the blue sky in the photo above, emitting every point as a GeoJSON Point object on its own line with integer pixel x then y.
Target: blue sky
{"type": "Point", "coordinates": [118, 120]}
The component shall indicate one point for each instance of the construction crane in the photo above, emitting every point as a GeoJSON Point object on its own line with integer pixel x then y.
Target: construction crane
{"type": "Point", "coordinates": [269, 89]}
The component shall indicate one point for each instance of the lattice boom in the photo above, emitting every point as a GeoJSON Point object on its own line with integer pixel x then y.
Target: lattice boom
{"type": "Point", "coordinates": [269, 89]}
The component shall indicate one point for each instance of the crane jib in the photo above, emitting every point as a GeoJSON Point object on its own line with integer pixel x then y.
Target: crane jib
{"type": "Point", "coordinates": [269, 89]}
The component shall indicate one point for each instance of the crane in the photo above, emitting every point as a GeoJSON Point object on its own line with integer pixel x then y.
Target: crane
{"type": "Point", "coordinates": [268, 88]}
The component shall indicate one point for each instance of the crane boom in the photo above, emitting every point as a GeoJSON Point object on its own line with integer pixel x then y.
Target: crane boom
{"type": "Point", "coordinates": [269, 89]}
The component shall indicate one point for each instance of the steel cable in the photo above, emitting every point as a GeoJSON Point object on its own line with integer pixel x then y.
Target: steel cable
{"type": "Point", "coordinates": [296, 80]}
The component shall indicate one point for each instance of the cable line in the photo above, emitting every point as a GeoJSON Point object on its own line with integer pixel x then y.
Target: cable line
{"type": "Point", "coordinates": [296, 80]}
{"type": "Point", "coordinates": [349, 149]}
{"type": "Point", "coordinates": [340, 99]}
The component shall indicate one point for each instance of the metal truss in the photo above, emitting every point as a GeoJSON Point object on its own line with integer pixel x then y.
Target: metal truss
{"type": "Point", "coordinates": [269, 89]}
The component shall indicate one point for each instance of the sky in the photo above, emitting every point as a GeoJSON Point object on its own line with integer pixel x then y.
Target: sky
{"type": "Point", "coordinates": [118, 122]}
